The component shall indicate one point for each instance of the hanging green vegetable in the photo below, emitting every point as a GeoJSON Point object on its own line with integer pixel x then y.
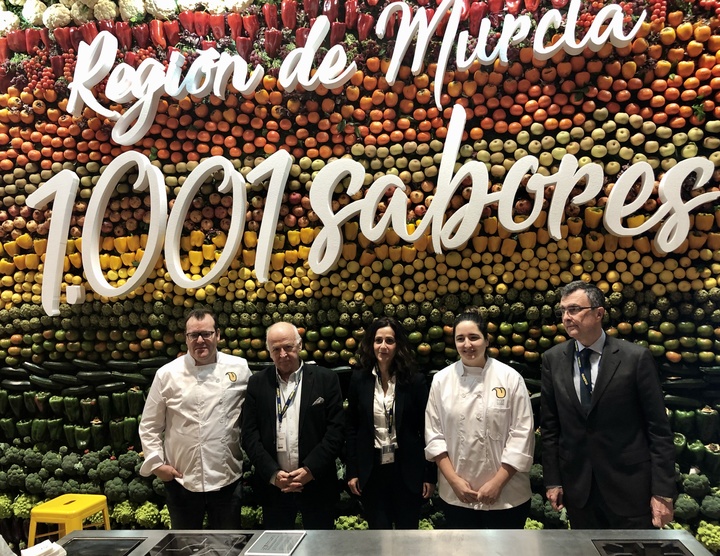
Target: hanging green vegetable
{"type": "Point", "coordinates": [707, 422]}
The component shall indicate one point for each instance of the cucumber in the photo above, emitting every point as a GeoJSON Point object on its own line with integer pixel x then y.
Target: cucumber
{"type": "Point", "coordinates": [149, 372]}
{"type": "Point", "coordinates": [683, 383]}
{"type": "Point", "coordinates": [77, 391]}
{"type": "Point", "coordinates": [14, 373]}
{"type": "Point", "coordinates": [94, 377]}
{"type": "Point", "coordinates": [65, 380]}
{"type": "Point", "coordinates": [86, 365]}
{"type": "Point", "coordinates": [133, 379]}
{"type": "Point", "coordinates": [533, 384]}
{"type": "Point", "coordinates": [35, 369]}
{"type": "Point", "coordinates": [59, 366]}
{"type": "Point", "coordinates": [110, 387]}
{"type": "Point", "coordinates": [123, 366]}
{"type": "Point", "coordinates": [17, 385]}
{"type": "Point", "coordinates": [710, 371]}
{"type": "Point", "coordinates": [681, 402]}
{"type": "Point", "coordinates": [44, 383]}
{"type": "Point", "coordinates": [153, 362]}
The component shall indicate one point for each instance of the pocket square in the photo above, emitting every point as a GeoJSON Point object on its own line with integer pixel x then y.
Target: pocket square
{"type": "Point", "coordinates": [319, 401]}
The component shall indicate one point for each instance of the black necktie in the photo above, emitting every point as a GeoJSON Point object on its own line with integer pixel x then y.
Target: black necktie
{"type": "Point", "coordinates": [585, 379]}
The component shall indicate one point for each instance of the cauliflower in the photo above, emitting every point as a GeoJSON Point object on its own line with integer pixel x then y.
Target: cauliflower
{"type": "Point", "coordinates": [56, 16]}
{"type": "Point", "coordinates": [709, 535]}
{"type": "Point", "coordinates": [23, 504]}
{"type": "Point", "coordinates": [185, 5]}
{"type": "Point", "coordinates": [161, 9]}
{"type": "Point", "coordinates": [81, 14]}
{"type": "Point", "coordinates": [237, 6]}
{"type": "Point", "coordinates": [89, 3]}
{"type": "Point", "coordinates": [131, 9]}
{"type": "Point", "coordinates": [214, 6]}
{"type": "Point", "coordinates": [8, 22]}
{"type": "Point", "coordinates": [124, 512]}
{"type": "Point", "coordinates": [105, 9]}
{"type": "Point", "coordinates": [164, 517]}
{"type": "Point", "coordinates": [16, 2]}
{"type": "Point", "coordinates": [32, 12]}
{"type": "Point", "coordinates": [5, 506]}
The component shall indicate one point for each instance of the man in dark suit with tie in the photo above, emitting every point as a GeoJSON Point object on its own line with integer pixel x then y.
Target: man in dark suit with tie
{"type": "Point", "coordinates": [292, 432]}
{"type": "Point", "coordinates": [608, 454]}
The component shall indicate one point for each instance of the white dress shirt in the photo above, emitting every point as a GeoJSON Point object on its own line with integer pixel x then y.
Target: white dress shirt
{"type": "Point", "coordinates": [482, 418]}
{"type": "Point", "coordinates": [595, 356]}
{"type": "Point", "coordinates": [384, 412]}
{"type": "Point", "coordinates": [289, 460]}
{"type": "Point", "coordinates": [191, 421]}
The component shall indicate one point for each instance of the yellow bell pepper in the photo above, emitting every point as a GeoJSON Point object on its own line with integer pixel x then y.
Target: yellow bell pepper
{"type": "Point", "coordinates": [575, 225]}
{"type": "Point", "coordinates": [391, 237]}
{"type": "Point", "coordinates": [195, 257]}
{"type": "Point", "coordinates": [128, 258]}
{"type": "Point", "coordinates": [303, 252]}
{"type": "Point", "coordinates": [291, 256]}
{"type": "Point", "coordinates": [490, 225]}
{"type": "Point", "coordinates": [78, 244]}
{"type": "Point", "coordinates": [611, 242]}
{"type": "Point", "coordinates": [278, 242]}
{"type": "Point", "coordinates": [11, 248]}
{"type": "Point", "coordinates": [575, 244]}
{"type": "Point", "coordinates": [593, 217]}
{"type": "Point", "coordinates": [696, 240]}
{"type": "Point", "coordinates": [395, 253]}
{"type": "Point", "coordinates": [494, 243]}
{"type": "Point", "coordinates": [7, 267]}
{"type": "Point", "coordinates": [19, 261]}
{"type": "Point", "coordinates": [197, 238]}
{"type": "Point", "coordinates": [349, 251]}
{"type": "Point", "coordinates": [32, 260]}
{"type": "Point", "coordinates": [381, 251]}
{"type": "Point", "coordinates": [351, 230]}
{"type": "Point", "coordinates": [250, 239]}
{"type": "Point", "coordinates": [104, 261]}
{"type": "Point", "coordinates": [248, 256]}
{"type": "Point", "coordinates": [480, 244]}
{"type": "Point", "coordinates": [24, 241]}
{"type": "Point", "coordinates": [40, 246]}
{"type": "Point", "coordinates": [594, 241]}
{"type": "Point", "coordinates": [408, 253]}
{"type": "Point", "coordinates": [108, 244]}
{"type": "Point", "coordinates": [115, 262]}
{"type": "Point", "coordinates": [528, 239]}
{"type": "Point", "coordinates": [208, 251]}
{"type": "Point", "coordinates": [75, 259]}
{"type": "Point", "coordinates": [293, 237]}
{"type": "Point", "coordinates": [133, 243]}
{"type": "Point", "coordinates": [185, 243]}
{"type": "Point", "coordinates": [713, 241]}
{"type": "Point", "coordinates": [185, 263]}
{"type": "Point", "coordinates": [422, 243]}
{"type": "Point", "coordinates": [307, 235]}
{"type": "Point", "coordinates": [508, 247]}
{"type": "Point", "coordinates": [366, 258]}
{"type": "Point", "coordinates": [363, 241]}
{"type": "Point", "coordinates": [277, 261]}
{"type": "Point", "coordinates": [220, 239]}
{"type": "Point", "coordinates": [703, 221]}
{"type": "Point", "coordinates": [121, 244]}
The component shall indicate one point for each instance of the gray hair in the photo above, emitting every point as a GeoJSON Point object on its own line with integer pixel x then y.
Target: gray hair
{"type": "Point", "coordinates": [594, 294]}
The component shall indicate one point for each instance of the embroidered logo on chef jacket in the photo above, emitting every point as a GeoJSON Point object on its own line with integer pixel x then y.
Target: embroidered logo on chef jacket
{"type": "Point", "coordinates": [232, 376]}
{"type": "Point", "coordinates": [500, 392]}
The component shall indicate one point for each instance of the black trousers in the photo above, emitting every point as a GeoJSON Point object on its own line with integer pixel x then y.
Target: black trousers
{"type": "Point", "coordinates": [387, 501]}
{"type": "Point", "coordinates": [280, 515]}
{"type": "Point", "coordinates": [596, 514]}
{"type": "Point", "coordinates": [466, 518]}
{"type": "Point", "coordinates": [187, 509]}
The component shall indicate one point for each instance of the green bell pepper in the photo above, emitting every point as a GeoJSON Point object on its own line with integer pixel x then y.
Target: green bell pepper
{"type": "Point", "coordinates": [69, 431]}
{"type": "Point", "coordinates": [685, 422]}
{"type": "Point", "coordinates": [41, 402]}
{"type": "Point", "coordinates": [24, 428]}
{"type": "Point", "coordinates": [136, 401]}
{"type": "Point", "coordinates": [16, 404]}
{"type": "Point", "coordinates": [105, 408]}
{"type": "Point", "coordinates": [696, 452]}
{"type": "Point", "coordinates": [3, 401]}
{"type": "Point", "coordinates": [88, 406]}
{"type": "Point", "coordinates": [72, 408]}
{"type": "Point", "coordinates": [8, 427]}
{"type": "Point", "coordinates": [680, 442]}
{"type": "Point", "coordinates": [120, 403]}
{"type": "Point", "coordinates": [29, 401]}
{"type": "Point", "coordinates": [55, 428]}
{"type": "Point", "coordinates": [117, 434]}
{"type": "Point", "coordinates": [56, 405]}
{"type": "Point", "coordinates": [82, 437]}
{"type": "Point", "coordinates": [707, 422]}
{"type": "Point", "coordinates": [39, 430]}
{"type": "Point", "coordinates": [97, 434]}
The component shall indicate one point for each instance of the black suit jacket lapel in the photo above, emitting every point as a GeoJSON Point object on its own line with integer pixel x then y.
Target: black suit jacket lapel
{"type": "Point", "coordinates": [308, 395]}
{"type": "Point", "coordinates": [567, 376]}
{"type": "Point", "coordinates": [609, 363]}
{"type": "Point", "coordinates": [402, 391]}
{"type": "Point", "coordinates": [367, 398]}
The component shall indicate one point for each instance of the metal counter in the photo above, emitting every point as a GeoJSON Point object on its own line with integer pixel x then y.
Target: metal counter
{"type": "Point", "coordinates": [426, 543]}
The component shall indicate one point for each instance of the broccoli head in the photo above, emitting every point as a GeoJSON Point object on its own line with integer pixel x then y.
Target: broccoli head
{"type": "Point", "coordinates": [108, 469]}
{"type": "Point", "coordinates": [72, 466]}
{"type": "Point", "coordinates": [33, 459]}
{"type": "Point", "coordinates": [686, 508]}
{"type": "Point", "coordinates": [53, 488]}
{"type": "Point", "coordinates": [33, 483]}
{"type": "Point", "coordinates": [532, 524]}
{"type": "Point", "coordinates": [128, 460]}
{"type": "Point", "coordinates": [696, 485]}
{"type": "Point", "coordinates": [16, 476]}
{"type": "Point", "coordinates": [139, 490]}
{"type": "Point", "coordinates": [158, 487]}
{"type": "Point", "coordinates": [116, 490]}
{"type": "Point", "coordinates": [52, 461]}
{"type": "Point", "coordinates": [710, 507]}
{"type": "Point", "coordinates": [90, 460]}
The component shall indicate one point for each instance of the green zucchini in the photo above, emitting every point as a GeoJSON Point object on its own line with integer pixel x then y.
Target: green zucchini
{"type": "Point", "coordinates": [153, 362]}
{"type": "Point", "coordinates": [59, 367]}
{"type": "Point", "coordinates": [681, 402]}
{"type": "Point", "coordinates": [14, 373]}
{"type": "Point", "coordinates": [110, 387]}
{"type": "Point", "coordinates": [77, 391]}
{"type": "Point", "coordinates": [35, 369]}
{"type": "Point", "coordinates": [65, 380]}
{"type": "Point", "coordinates": [86, 365]}
{"type": "Point", "coordinates": [94, 377]}
{"type": "Point", "coordinates": [683, 383]}
{"type": "Point", "coordinates": [123, 366]}
{"type": "Point", "coordinates": [17, 385]}
{"type": "Point", "coordinates": [132, 379]}
{"type": "Point", "coordinates": [44, 383]}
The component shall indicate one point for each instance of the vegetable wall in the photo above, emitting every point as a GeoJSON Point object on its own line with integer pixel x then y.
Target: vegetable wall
{"type": "Point", "coordinates": [651, 102]}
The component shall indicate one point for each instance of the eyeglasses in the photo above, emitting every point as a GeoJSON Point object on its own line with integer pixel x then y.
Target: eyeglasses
{"type": "Point", "coordinates": [195, 336]}
{"type": "Point", "coordinates": [572, 310]}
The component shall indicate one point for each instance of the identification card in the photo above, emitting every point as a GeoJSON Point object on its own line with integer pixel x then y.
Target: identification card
{"type": "Point", "coordinates": [388, 454]}
{"type": "Point", "coordinates": [281, 445]}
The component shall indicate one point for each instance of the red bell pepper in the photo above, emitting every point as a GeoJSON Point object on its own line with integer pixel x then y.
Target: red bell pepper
{"type": "Point", "coordinates": [62, 37]}
{"type": "Point", "coordinates": [157, 34]}
{"type": "Point", "coordinates": [440, 31]}
{"type": "Point", "coordinates": [106, 25]}
{"type": "Point", "coordinates": [187, 20]}
{"type": "Point", "coordinates": [4, 50]}
{"type": "Point", "coordinates": [32, 40]}
{"type": "Point", "coordinates": [141, 34]}
{"type": "Point", "coordinates": [557, 4]}
{"type": "Point", "coordinates": [122, 32]}
{"type": "Point", "coordinates": [244, 47]}
{"type": "Point", "coordinates": [532, 5]}
{"type": "Point", "coordinates": [273, 40]}
{"type": "Point", "coordinates": [312, 7]}
{"type": "Point", "coordinates": [172, 31]}
{"type": "Point", "coordinates": [423, 2]}
{"type": "Point", "coordinates": [288, 13]}
{"type": "Point", "coordinates": [89, 31]}
{"type": "Point", "coordinates": [496, 6]}
{"type": "Point", "coordinates": [207, 44]}
{"type": "Point", "coordinates": [4, 77]}
{"type": "Point", "coordinates": [16, 41]}
{"type": "Point", "coordinates": [58, 65]}
{"type": "Point", "coordinates": [251, 25]}
{"type": "Point", "coordinates": [337, 32]}
{"type": "Point", "coordinates": [429, 13]}
{"type": "Point", "coordinates": [202, 24]}
{"type": "Point", "coordinates": [390, 26]}
{"type": "Point", "coordinates": [478, 10]}
{"type": "Point", "coordinates": [372, 2]}
{"type": "Point", "coordinates": [301, 35]}
{"type": "Point", "coordinates": [271, 16]}
{"type": "Point", "coordinates": [364, 25]}
{"type": "Point", "coordinates": [513, 6]}
{"type": "Point", "coordinates": [235, 24]}
{"type": "Point", "coordinates": [217, 25]}
{"type": "Point", "coordinates": [351, 14]}
{"type": "Point", "coordinates": [331, 9]}
{"type": "Point", "coordinates": [75, 37]}
{"type": "Point", "coordinates": [130, 58]}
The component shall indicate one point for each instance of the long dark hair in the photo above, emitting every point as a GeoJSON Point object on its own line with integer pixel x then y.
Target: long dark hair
{"type": "Point", "coordinates": [403, 363]}
{"type": "Point", "coordinates": [470, 314]}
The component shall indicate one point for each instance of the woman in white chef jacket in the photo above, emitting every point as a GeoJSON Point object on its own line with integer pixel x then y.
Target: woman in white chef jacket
{"type": "Point", "coordinates": [479, 431]}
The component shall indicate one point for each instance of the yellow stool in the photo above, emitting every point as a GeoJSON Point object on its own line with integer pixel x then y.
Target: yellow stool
{"type": "Point", "coordinates": [68, 512]}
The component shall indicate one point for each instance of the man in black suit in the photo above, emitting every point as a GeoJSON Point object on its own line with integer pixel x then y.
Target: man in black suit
{"type": "Point", "coordinates": [293, 432]}
{"type": "Point", "coordinates": [608, 453]}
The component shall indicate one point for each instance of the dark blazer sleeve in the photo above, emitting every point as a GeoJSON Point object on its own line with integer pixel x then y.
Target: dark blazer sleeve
{"type": "Point", "coordinates": [258, 434]}
{"type": "Point", "coordinates": [549, 425]}
{"type": "Point", "coordinates": [352, 425]}
{"type": "Point", "coordinates": [320, 459]}
{"type": "Point", "coordinates": [659, 433]}
{"type": "Point", "coordinates": [420, 399]}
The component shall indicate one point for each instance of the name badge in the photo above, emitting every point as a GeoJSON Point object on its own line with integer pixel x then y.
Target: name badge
{"type": "Point", "coordinates": [281, 444]}
{"type": "Point", "coordinates": [388, 454]}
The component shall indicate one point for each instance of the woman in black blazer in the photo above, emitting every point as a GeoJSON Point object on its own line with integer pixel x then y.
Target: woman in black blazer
{"type": "Point", "coordinates": [386, 463]}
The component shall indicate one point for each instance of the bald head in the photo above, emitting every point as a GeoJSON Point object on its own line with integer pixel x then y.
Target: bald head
{"type": "Point", "coordinates": [283, 342]}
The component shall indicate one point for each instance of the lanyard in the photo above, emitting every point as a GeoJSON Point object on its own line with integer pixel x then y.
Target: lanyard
{"type": "Point", "coordinates": [388, 416]}
{"type": "Point", "coordinates": [585, 374]}
{"type": "Point", "coordinates": [282, 410]}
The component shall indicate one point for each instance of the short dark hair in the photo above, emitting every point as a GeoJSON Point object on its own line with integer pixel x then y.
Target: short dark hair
{"type": "Point", "coordinates": [403, 364]}
{"type": "Point", "coordinates": [200, 313]}
{"type": "Point", "coordinates": [471, 314]}
{"type": "Point", "coordinates": [594, 294]}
